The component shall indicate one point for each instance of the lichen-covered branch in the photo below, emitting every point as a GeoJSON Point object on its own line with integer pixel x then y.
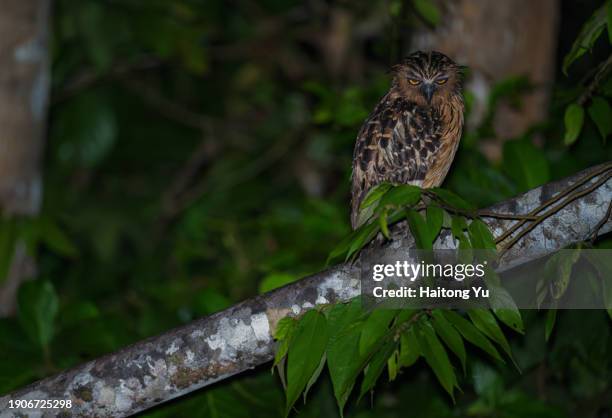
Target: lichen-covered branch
{"type": "Point", "coordinates": [214, 348]}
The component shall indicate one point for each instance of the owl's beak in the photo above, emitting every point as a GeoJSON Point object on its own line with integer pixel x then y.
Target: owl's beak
{"type": "Point", "coordinates": [428, 90]}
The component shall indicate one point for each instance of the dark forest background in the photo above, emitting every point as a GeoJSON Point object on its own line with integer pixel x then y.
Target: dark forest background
{"type": "Point", "coordinates": [198, 153]}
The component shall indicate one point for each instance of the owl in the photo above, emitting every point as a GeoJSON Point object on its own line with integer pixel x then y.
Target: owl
{"type": "Point", "coordinates": [413, 133]}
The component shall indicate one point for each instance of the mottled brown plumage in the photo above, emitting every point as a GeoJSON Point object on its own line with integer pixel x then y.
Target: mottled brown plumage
{"type": "Point", "coordinates": [413, 133]}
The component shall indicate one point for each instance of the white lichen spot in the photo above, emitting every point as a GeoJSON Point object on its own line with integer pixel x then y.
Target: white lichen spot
{"type": "Point", "coordinates": [261, 327]}
{"type": "Point", "coordinates": [189, 358]}
{"type": "Point", "coordinates": [307, 305]}
{"type": "Point", "coordinates": [321, 300]}
{"type": "Point", "coordinates": [172, 349]}
{"type": "Point", "coordinates": [215, 342]}
{"type": "Point", "coordinates": [295, 309]}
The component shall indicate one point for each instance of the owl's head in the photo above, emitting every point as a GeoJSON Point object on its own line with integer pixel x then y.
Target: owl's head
{"type": "Point", "coordinates": [428, 78]}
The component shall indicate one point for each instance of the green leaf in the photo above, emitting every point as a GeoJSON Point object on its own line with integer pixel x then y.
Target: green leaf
{"type": "Point", "coordinates": [384, 227]}
{"type": "Point", "coordinates": [419, 230]}
{"type": "Point", "coordinates": [364, 235]}
{"type": "Point", "coordinates": [315, 376]}
{"type": "Point", "coordinates": [371, 202]}
{"type": "Point", "coordinates": [558, 271]}
{"type": "Point", "coordinates": [509, 316]}
{"type": "Point", "coordinates": [305, 352]}
{"type": "Point", "coordinates": [435, 219]}
{"type": "Point", "coordinates": [375, 327]}
{"type": "Point", "coordinates": [436, 356]}
{"type": "Point", "coordinates": [452, 199]}
{"type": "Point", "coordinates": [574, 119]}
{"type": "Point", "coordinates": [374, 195]}
{"type": "Point", "coordinates": [392, 365]}
{"type": "Point", "coordinates": [471, 333]}
{"type": "Point", "coordinates": [428, 10]}
{"type": "Point", "coordinates": [601, 114]}
{"type": "Point", "coordinates": [551, 318]}
{"type": "Point", "coordinates": [449, 335]}
{"type": "Point", "coordinates": [343, 360]}
{"type": "Point", "coordinates": [283, 333]}
{"type": "Point", "coordinates": [484, 320]}
{"type": "Point", "coordinates": [525, 164]}
{"type": "Point", "coordinates": [410, 350]}
{"type": "Point", "coordinates": [275, 280]}
{"type": "Point", "coordinates": [400, 196]}
{"type": "Point", "coordinates": [38, 306]}
{"type": "Point", "coordinates": [376, 366]}
{"type": "Point", "coordinates": [54, 238]}
{"type": "Point", "coordinates": [481, 236]}
{"type": "Point", "coordinates": [586, 38]}
{"type": "Point", "coordinates": [77, 313]}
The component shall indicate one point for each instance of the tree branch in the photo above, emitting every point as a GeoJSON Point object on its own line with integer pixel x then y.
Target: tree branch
{"type": "Point", "coordinates": [239, 338]}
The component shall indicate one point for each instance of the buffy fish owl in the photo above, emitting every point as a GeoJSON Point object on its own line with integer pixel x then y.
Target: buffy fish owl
{"type": "Point", "coordinates": [412, 135]}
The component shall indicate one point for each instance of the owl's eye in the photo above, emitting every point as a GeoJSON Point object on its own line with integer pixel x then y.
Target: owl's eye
{"type": "Point", "coordinates": [441, 81]}
{"type": "Point", "coordinates": [414, 81]}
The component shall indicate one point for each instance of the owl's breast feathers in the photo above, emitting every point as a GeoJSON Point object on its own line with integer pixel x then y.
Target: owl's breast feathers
{"type": "Point", "coordinates": [404, 143]}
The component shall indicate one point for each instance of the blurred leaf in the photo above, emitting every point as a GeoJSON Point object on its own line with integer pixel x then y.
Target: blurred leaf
{"type": "Point", "coordinates": [305, 353]}
{"type": "Point", "coordinates": [54, 238]}
{"type": "Point", "coordinates": [525, 163]}
{"type": "Point", "coordinates": [574, 119]}
{"type": "Point", "coordinates": [275, 280]}
{"type": "Point", "coordinates": [409, 348]}
{"type": "Point", "coordinates": [449, 335]}
{"type": "Point", "coordinates": [601, 113]}
{"type": "Point", "coordinates": [428, 10]}
{"type": "Point", "coordinates": [86, 129]}
{"type": "Point", "coordinates": [392, 365]}
{"type": "Point", "coordinates": [38, 305]}
{"type": "Point", "coordinates": [436, 356]}
{"type": "Point", "coordinates": [484, 320]}
{"type": "Point", "coordinates": [76, 313]}
{"type": "Point", "coordinates": [376, 366]}
{"type": "Point", "coordinates": [208, 301]}
{"type": "Point", "coordinates": [472, 334]}
{"type": "Point", "coordinates": [586, 38]}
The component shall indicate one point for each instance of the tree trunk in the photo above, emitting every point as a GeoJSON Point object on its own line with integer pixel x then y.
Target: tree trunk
{"type": "Point", "coordinates": [499, 39]}
{"type": "Point", "coordinates": [24, 90]}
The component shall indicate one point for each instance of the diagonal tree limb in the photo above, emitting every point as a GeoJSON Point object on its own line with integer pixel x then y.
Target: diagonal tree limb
{"type": "Point", "coordinates": [216, 347]}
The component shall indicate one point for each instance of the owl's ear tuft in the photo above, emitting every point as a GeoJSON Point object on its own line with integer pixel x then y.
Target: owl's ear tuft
{"type": "Point", "coordinates": [394, 69]}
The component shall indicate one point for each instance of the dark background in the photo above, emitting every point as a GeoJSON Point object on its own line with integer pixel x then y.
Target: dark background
{"type": "Point", "coordinates": [198, 153]}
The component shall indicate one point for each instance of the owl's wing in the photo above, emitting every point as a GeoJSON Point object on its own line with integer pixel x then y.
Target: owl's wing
{"type": "Point", "coordinates": [396, 144]}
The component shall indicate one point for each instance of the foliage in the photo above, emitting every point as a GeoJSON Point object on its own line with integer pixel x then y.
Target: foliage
{"type": "Point", "coordinates": [367, 343]}
{"type": "Point", "coordinates": [199, 154]}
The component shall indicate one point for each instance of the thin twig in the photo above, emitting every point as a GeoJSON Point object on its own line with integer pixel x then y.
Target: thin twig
{"type": "Point", "coordinates": [554, 210]}
{"type": "Point", "coordinates": [601, 72]}
{"type": "Point", "coordinates": [553, 200]}
{"type": "Point", "coordinates": [602, 222]}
